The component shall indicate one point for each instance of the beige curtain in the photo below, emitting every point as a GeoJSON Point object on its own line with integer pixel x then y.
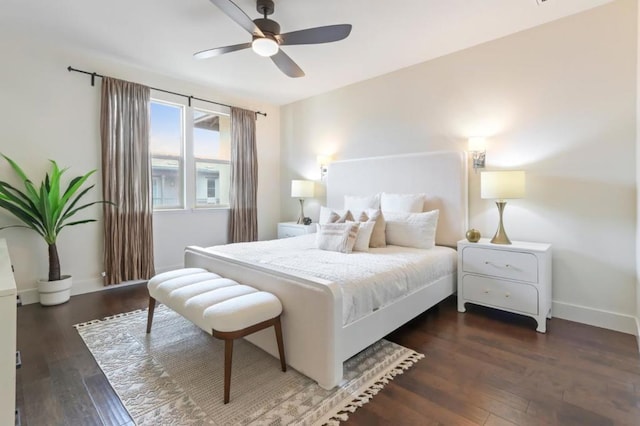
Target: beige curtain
{"type": "Point", "coordinates": [128, 236]}
{"type": "Point", "coordinates": [243, 215]}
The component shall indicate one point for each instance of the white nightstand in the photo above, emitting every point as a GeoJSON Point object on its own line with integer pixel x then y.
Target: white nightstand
{"type": "Point", "coordinates": [514, 278]}
{"type": "Point", "coordinates": [292, 229]}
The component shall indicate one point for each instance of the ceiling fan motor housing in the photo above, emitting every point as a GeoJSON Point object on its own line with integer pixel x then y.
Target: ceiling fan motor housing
{"type": "Point", "coordinates": [268, 26]}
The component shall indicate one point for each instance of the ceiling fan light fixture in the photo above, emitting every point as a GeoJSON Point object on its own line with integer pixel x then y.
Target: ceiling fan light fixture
{"type": "Point", "coordinates": [265, 46]}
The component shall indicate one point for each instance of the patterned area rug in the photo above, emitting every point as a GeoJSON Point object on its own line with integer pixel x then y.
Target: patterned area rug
{"type": "Point", "coordinates": [175, 375]}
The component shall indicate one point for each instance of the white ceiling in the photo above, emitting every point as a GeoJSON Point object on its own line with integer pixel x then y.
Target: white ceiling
{"type": "Point", "coordinates": [162, 35]}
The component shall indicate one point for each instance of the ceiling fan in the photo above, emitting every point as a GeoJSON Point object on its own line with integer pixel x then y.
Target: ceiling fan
{"type": "Point", "coordinates": [267, 38]}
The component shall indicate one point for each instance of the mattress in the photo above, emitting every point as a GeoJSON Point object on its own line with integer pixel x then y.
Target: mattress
{"type": "Point", "coordinates": [369, 280]}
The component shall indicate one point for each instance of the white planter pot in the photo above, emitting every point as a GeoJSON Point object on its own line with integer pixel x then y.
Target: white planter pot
{"type": "Point", "coordinates": [54, 292]}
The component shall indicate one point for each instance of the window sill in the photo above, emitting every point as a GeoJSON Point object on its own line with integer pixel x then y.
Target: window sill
{"type": "Point", "coordinates": [192, 210]}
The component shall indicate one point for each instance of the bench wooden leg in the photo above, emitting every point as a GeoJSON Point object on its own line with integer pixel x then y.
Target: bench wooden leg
{"type": "Point", "coordinates": [278, 327]}
{"type": "Point", "coordinates": [228, 354]}
{"type": "Point", "coordinates": [152, 307]}
{"type": "Point", "coordinates": [229, 336]}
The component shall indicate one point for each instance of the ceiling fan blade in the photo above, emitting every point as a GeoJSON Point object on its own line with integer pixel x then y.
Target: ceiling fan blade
{"type": "Point", "coordinates": [209, 53]}
{"type": "Point", "coordinates": [234, 12]}
{"type": "Point", "coordinates": [286, 64]}
{"type": "Point", "coordinates": [316, 35]}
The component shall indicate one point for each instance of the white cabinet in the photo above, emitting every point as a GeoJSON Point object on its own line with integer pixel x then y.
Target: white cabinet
{"type": "Point", "coordinates": [292, 229]}
{"type": "Point", "coordinates": [514, 278]}
{"type": "Point", "coordinates": [7, 337]}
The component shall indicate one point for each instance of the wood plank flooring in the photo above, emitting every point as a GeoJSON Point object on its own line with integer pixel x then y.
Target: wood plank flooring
{"type": "Point", "coordinates": [484, 367]}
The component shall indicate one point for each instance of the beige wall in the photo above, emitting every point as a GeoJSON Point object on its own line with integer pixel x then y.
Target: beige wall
{"type": "Point", "coordinates": [47, 112]}
{"type": "Point", "coordinates": [557, 101]}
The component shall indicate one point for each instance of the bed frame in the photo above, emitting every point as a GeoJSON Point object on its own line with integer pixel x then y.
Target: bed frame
{"type": "Point", "coordinates": [316, 342]}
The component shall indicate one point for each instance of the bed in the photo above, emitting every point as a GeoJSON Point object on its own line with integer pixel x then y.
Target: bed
{"type": "Point", "coordinates": [321, 326]}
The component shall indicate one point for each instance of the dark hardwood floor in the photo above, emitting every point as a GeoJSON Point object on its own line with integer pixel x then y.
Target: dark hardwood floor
{"type": "Point", "coordinates": [483, 367]}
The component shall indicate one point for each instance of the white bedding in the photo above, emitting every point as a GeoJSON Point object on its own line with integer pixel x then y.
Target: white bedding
{"type": "Point", "coordinates": [368, 281]}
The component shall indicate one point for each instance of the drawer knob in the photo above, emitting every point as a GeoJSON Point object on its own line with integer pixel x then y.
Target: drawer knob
{"type": "Point", "coordinates": [507, 295]}
{"type": "Point", "coordinates": [486, 290]}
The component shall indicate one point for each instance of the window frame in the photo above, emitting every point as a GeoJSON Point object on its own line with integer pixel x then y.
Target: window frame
{"type": "Point", "coordinates": [181, 160]}
{"type": "Point", "coordinates": [188, 159]}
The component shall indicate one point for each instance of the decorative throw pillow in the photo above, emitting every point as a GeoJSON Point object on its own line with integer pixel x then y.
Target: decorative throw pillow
{"type": "Point", "coordinates": [339, 237]}
{"type": "Point", "coordinates": [357, 203]}
{"type": "Point", "coordinates": [416, 230]}
{"type": "Point", "coordinates": [364, 236]}
{"type": "Point", "coordinates": [407, 203]}
{"type": "Point", "coordinates": [378, 238]}
{"type": "Point", "coordinates": [328, 215]}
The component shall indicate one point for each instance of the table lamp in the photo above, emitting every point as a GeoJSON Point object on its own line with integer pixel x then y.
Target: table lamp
{"type": "Point", "coordinates": [501, 186]}
{"type": "Point", "coordinates": [302, 189]}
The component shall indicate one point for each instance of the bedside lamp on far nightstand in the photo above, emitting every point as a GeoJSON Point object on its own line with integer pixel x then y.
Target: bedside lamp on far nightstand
{"type": "Point", "coordinates": [501, 186]}
{"type": "Point", "coordinates": [302, 189]}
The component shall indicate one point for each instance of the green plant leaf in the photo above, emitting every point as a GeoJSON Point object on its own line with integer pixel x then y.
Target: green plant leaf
{"type": "Point", "coordinates": [54, 189]}
{"type": "Point", "coordinates": [76, 210]}
{"type": "Point", "coordinates": [76, 223]}
{"type": "Point", "coordinates": [15, 196]}
{"type": "Point", "coordinates": [75, 184]}
{"type": "Point", "coordinates": [45, 206]}
{"type": "Point", "coordinates": [74, 202]}
{"type": "Point", "coordinates": [21, 215]}
{"type": "Point", "coordinates": [32, 192]}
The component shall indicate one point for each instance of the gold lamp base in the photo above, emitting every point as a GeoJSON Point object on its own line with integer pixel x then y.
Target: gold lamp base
{"type": "Point", "coordinates": [301, 218]}
{"type": "Point", "coordinates": [501, 235]}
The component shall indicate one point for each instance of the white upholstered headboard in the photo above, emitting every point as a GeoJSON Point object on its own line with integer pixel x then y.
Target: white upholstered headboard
{"type": "Point", "coordinates": [442, 176]}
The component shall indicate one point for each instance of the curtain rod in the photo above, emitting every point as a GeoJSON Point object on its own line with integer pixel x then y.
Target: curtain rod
{"type": "Point", "coordinates": [189, 97]}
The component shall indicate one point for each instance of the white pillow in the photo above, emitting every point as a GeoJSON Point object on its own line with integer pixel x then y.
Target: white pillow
{"type": "Point", "coordinates": [364, 235]}
{"type": "Point", "coordinates": [326, 217]}
{"type": "Point", "coordinates": [357, 203]}
{"type": "Point", "coordinates": [407, 203]}
{"type": "Point", "coordinates": [339, 237]}
{"type": "Point", "coordinates": [416, 230]}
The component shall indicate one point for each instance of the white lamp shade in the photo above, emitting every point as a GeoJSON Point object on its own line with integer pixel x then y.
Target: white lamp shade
{"type": "Point", "coordinates": [477, 144]}
{"type": "Point", "coordinates": [502, 185]}
{"type": "Point", "coordinates": [302, 188]}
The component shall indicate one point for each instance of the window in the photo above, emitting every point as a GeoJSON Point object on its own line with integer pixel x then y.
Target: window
{"type": "Point", "coordinates": [211, 152]}
{"type": "Point", "coordinates": [190, 159]}
{"type": "Point", "coordinates": [166, 142]}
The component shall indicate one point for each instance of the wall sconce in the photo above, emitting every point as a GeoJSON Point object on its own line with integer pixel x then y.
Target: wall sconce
{"type": "Point", "coordinates": [477, 147]}
{"type": "Point", "coordinates": [323, 161]}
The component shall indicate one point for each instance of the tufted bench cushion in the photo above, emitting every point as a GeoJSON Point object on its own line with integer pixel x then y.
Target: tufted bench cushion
{"type": "Point", "coordinates": [220, 306]}
{"type": "Point", "coordinates": [212, 302]}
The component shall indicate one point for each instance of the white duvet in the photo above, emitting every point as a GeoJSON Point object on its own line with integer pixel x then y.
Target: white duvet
{"type": "Point", "coordinates": [368, 280]}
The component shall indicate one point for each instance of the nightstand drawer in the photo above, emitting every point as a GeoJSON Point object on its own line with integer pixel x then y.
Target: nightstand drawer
{"type": "Point", "coordinates": [500, 294]}
{"type": "Point", "coordinates": [292, 229]}
{"type": "Point", "coordinates": [511, 265]}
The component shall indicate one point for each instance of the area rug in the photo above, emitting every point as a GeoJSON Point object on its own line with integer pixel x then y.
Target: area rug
{"type": "Point", "coordinates": [174, 376]}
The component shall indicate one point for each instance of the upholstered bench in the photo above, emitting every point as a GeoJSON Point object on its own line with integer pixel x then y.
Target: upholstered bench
{"type": "Point", "coordinates": [220, 306]}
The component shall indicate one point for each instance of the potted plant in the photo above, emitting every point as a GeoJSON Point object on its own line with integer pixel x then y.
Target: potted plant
{"type": "Point", "coordinates": [47, 210]}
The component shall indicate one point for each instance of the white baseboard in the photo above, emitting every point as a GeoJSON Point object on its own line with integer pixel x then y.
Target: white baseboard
{"type": "Point", "coordinates": [30, 295]}
{"type": "Point", "coordinates": [596, 317]}
{"type": "Point", "coordinates": [169, 268]}
{"type": "Point", "coordinates": [638, 331]}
